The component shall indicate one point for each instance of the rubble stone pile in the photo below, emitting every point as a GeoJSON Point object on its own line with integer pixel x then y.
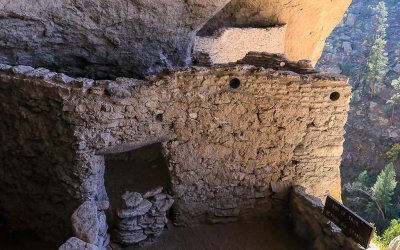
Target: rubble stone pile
{"type": "Point", "coordinates": [142, 218]}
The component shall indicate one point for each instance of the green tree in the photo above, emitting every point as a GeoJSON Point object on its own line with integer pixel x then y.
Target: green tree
{"type": "Point", "coordinates": [363, 178]}
{"type": "Point", "coordinates": [395, 97]}
{"type": "Point", "coordinates": [392, 232]}
{"type": "Point", "coordinates": [378, 57]}
{"type": "Point", "coordinates": [384, 186]}
{"type": "Point", "coordinates": [394, 153]}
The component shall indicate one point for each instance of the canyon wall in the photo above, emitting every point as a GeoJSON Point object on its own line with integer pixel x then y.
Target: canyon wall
{"type": "Point", "coordinates": [105, 39]}
{"type": "Point", "coordinates": [235, 137]}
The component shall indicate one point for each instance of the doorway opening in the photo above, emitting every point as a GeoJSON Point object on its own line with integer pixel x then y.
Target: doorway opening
{"type": "Point", "coordinates": [138, 170]}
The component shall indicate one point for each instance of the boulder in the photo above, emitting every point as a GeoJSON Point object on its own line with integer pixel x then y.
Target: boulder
{"type": "Point", "coordinates": [153, 192]}
{"type": "Point", "coordinates": [74, 243]}
{"type": "Point", "coordinates": [85, 223]}
{"type": "Point", "coordinates": [347, 47]}
{"type": "Point", "coordinates": [141, 209]}
{"type": "Point", "coordinates": [351, 20]}
{"type": "Point", "coordinates": [131, 199]}
{"type": "Point", "coordinates": [396, 68]}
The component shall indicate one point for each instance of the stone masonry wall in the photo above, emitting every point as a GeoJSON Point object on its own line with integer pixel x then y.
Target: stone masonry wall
{"type": "Point", "coordinates": [235, 137]}
{"type": "Point", "coordinates": [311, 225]}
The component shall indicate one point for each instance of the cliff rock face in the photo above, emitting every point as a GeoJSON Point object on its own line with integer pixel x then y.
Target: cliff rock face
{"type": "Point", "coordinates": [106, 39]}
{"type": "Point", "coordinates": [102, 38]}
{"type": "Point", "coordinates": [309, 23]}
{"type": "Point", "coordinates": [369, 134]}
{"type": "Point", "coordinates": [232, 44]}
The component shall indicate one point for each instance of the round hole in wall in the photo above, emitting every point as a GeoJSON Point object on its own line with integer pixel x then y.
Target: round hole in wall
{"type": "Point", "coordinates": [234, 83]}
{"type": "Point", "coordinates": [195, 62]}
{"type": "Point", "coordinates": [334, 96]}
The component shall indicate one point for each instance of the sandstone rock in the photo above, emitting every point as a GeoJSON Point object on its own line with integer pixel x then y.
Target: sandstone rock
{"type": "Point", "coordinates": [21, 69]}
{"type": "Point", "coordinates": [165, 205]}
{"type": "Point", "coordinates": [102, 205]}
{"type": "Point", "coordinates": [141, 209]}
{"type": "Point", "coordinates": [102, 224]}
{"type": "Point", "coordinates": [347, 47]}
{"type": "Point", "coordinates": [85, 223]}
{"type": "Point", "coordinates": [131, 199]}
{"type": "Point", "coordinates": [118, 92]}
{"type": "Point", "coordinates": [74, 243]}
{"type": "Point", "coordinates": [153, 192]}
{"type": "Point", "coordinates": [127, 223]}
{"type": "Point", "coordinates": [351, 19]}
{"type": "Point", "coordinates": [159, 197]}
{"type": "Point", "coordinates": [146, 220]}
{"type": "Point", "coordinates": [232, 44]}
{"type": "Point", "coordinates": [310, 33]}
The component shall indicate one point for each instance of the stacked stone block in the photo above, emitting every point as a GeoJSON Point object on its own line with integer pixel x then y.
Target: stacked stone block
{"type": "Point", "coordinates": [89, 227]}
{"type": "Point", "coordinates": [142, 218]}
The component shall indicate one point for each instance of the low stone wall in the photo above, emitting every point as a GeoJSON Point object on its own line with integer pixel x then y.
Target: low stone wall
{"type": "Point", "coordinates": [234, 137]}
{"type": "Point", "coordinates": [311, 225]}
{"type": "Point", "coordinates": [141, 218]}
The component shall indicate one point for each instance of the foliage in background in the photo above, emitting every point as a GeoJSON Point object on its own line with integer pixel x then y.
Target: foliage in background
{"type": "Point", "coordinates": [373, 203]}
{"type": "Point", "coordinates": [378, 57]}
{"type": "Point", "coordinates": [395, 97]}
{"type": "Point", "coordinates": [394, 153]}
{"type": "Point", "coordinates": [356, 98]}
{"type": "Point", "coordinates": [392, 232]}
{"type": "Point", "coordinates": [384, 186]}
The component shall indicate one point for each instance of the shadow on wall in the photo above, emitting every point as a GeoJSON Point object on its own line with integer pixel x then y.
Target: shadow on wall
{"type": "Point", "coordinates": [138, 170]}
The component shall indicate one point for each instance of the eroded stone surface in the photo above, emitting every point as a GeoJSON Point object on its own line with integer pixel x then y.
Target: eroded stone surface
{"type": "Point", "coordinates": [131, 199]}
{"type": "Point", "coordinates": [85, 223]}
{"type": "Point", "coordinates": [138, 224]}
{"type": "Point", "coordinates": [232, 44]}
{"type": "Point", "coordinates": [102, 38]}
{"type": "Point", "coordinates": [74, 243]}
{"type": "Point", "coordinates": [311, 225]}
{"type": "Point", "coordinates": [108, 39]}
{"type": "Point", "coordinates": [309, 23]}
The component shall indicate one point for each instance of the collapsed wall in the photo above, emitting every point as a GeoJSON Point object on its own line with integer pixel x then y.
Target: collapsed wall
{"type": "Point", "coordinates": [235, 138]}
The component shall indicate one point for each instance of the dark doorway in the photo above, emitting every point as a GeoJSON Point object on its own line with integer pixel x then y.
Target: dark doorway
{"type": "Point", "coordinates": [137, 170]}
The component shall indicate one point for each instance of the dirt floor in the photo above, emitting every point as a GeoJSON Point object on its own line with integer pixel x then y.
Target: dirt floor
{"type": "Point", "coordinates": [23, 241]}
{"type": "Point", "coordinates": [257, 235]}
{"type": "Point", "coordinates": [142, 169]}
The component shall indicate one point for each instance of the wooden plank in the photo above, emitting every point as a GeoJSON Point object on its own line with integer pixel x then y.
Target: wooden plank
{"type": "Point", "coordinates": [351, 224]}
